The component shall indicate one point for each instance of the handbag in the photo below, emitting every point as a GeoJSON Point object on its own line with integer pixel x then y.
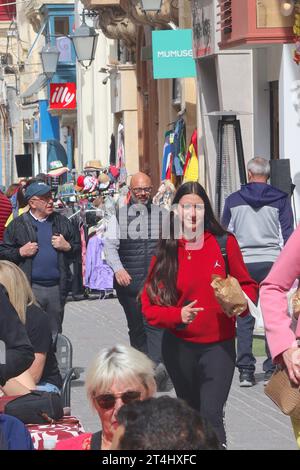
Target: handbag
{"type": "Point", "coordinates": [6, 399]}
{"type": "Point", "coordinates": [284, 393]}
{"type": "Point", "coordinates": [36, 407]}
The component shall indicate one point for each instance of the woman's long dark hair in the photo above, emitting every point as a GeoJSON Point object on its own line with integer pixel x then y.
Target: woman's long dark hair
{"type": "Point", "coordinates": [161, 286]}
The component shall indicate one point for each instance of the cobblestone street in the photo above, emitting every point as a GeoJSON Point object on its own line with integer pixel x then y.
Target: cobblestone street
{"type": "Point", "coordinates": [251, 419]}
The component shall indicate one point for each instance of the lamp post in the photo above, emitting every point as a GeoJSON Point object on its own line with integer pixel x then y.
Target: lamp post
{"type": "Point", "coordinates": [150, 5]}
{"type": "Point", "coordinates": [49, 56]}
{"type": "Point", "coordinates": [85, 40]}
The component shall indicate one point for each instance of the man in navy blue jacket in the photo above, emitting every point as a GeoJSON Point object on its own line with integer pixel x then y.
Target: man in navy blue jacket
{"type": "Point", "coordinates": [43, 243]}
{"type": "Point", "coordinates": [262, 220]}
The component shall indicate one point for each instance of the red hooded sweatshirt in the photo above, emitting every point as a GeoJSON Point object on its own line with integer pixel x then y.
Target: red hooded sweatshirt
{"type": "Point", "coordinates": [193, 283]}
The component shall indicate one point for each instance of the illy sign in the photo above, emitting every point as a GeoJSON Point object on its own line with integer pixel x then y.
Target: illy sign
{"type": "Point", "coordinates": [63, 95]}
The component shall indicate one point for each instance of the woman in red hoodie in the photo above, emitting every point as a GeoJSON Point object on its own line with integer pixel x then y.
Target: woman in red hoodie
{"type": "Point", "coordinates": [199, 340]}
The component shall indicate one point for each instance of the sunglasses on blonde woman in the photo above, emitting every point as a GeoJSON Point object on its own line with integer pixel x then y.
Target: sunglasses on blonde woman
{"type": "Point", "coordinates": [108, 400]}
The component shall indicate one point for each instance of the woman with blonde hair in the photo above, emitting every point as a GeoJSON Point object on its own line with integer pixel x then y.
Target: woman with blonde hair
{"type": "Point", "coordinates": [117, 376]}
{"type": "Point", "coordinates": [43, 374]}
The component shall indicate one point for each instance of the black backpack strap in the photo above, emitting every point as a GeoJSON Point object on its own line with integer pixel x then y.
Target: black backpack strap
{"type": "Point", "coordinates": [222, 242]}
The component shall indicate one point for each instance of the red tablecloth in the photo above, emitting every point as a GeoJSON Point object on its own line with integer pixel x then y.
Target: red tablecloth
{"type": "Point", "coordinates": [67, 427]}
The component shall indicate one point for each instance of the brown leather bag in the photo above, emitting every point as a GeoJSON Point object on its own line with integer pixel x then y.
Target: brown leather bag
{"type": "Point", "coordinates": [284, 393]}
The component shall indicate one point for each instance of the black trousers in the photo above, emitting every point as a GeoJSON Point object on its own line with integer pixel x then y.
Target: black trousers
{"type": "Point", "coordinates": [202, 375]}
{"type": "Point", "coordinates": [142, 336]}
{"type": "Point", "coordinates": [245, 327]}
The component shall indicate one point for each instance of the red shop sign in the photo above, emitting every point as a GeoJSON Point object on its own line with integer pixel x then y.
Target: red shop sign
{"type": "Point", "coordinates": [63, 95]}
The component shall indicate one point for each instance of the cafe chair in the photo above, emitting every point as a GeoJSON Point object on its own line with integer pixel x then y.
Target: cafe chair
{"type": "Point", "coordinates": [64, 356]}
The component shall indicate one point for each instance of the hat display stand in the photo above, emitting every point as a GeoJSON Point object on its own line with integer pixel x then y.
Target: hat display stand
{"type": "Point", "coordinates": [88, 201]}
{"type": "Point", "coordinates": [55, 181]}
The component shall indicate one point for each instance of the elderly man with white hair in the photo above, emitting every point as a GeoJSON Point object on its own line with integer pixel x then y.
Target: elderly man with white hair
{"type": "Point", "coordinates": [42, 243]}
{"type": "Point", "coordinates": [261, 218]}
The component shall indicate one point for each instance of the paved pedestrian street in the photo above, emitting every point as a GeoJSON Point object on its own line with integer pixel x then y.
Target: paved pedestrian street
{"type": "Point", "coordinates": [252, 422]}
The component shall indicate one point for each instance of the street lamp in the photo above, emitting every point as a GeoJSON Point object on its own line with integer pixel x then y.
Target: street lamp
{"type": "Point", "coordinates": [287, 7]}
{"type": "Point", "coordinates": [49, 56]}
{"type": "Point", "coordinates": [150, 5]}
{"type": "Point", "coordinates": [85, 40]}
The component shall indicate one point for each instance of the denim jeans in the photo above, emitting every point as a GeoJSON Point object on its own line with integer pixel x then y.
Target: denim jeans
{"type": "Point", "coordinates": [245, 327]}
{"type": "Point", "coordinates": [47, 387]}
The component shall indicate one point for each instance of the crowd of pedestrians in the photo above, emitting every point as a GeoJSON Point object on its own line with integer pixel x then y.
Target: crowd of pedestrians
{"type": "Point", "coordinates": [163, 263]}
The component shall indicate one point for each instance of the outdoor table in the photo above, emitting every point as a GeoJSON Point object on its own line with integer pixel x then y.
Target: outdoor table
{"type": "Point", "coordinates": [45, 436]}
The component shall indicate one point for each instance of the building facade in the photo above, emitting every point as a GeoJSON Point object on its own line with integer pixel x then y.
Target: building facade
{"type": "Point", "coordinates": [38, 120]}
{"type": "Point", "coordinates": [9, 83]}
{"type": "Point", "coordinates": [261, 28]}
{"type": "Point", "coordinates": [224, 84]}
{"type": "Point", "coordinates": [144, 106]}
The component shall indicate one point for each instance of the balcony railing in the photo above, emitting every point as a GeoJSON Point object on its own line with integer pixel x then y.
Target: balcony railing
{"type": "Point", "coordinates": [248, 23]}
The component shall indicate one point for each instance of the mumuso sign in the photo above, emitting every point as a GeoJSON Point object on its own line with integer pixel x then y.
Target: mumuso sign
{"type": "Point", "coordinates": [172, 54]}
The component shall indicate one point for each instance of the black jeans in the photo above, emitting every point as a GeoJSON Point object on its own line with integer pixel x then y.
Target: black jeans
{"type": "Point", "coordinates": [245, 327]}
{"type": "Point", "coordinates": [202, 375]}
{"type": "Point", "coordinates": [142, 336]}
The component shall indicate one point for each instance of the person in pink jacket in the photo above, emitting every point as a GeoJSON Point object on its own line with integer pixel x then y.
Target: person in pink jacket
{"type": "Point", "coordinates": [283, 338]}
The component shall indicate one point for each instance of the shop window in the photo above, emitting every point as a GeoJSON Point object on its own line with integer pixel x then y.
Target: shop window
{"type": "Point", "coordinates": [268, 15]}
{"type": "Point", "coordinates": [61, 25]}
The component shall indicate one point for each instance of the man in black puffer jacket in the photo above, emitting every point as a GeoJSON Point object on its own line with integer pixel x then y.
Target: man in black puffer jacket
{"type": "Point", "coordinates": [128, 250]}
{"type": "Point", "coordinates": [42, 243]}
